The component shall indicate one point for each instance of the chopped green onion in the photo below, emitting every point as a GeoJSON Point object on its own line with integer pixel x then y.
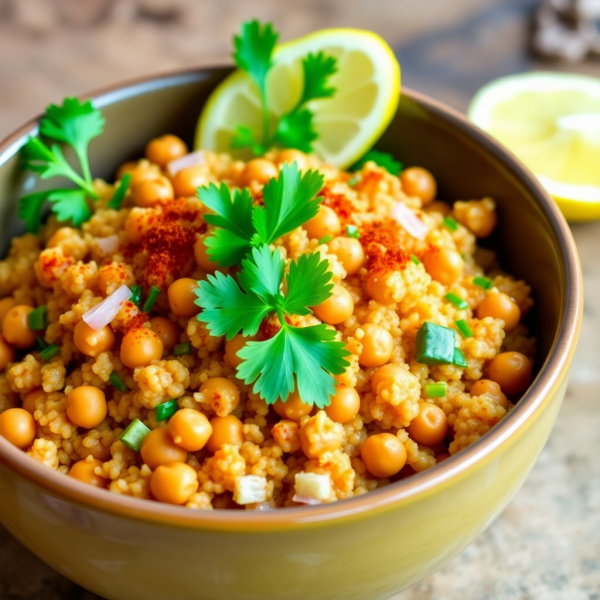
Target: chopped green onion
{"type": "Point", "coordinates": [450, 223]}
{"type": "Point", "coordinates": [464, 329]}
{"type": "Point", "coordinates": [456, 300]}
{"type": "Point", "coordinates": [136, 294]}
{"type": "Point", "coordinates": [415, 259]}
{"type": "Point", "coordinates": [117, 382]}
{"type": "Point", "coordinates": [483, 282]}
{"type": "Point", "coordinates": [166, 410]}
{"type": "Point", "coordinates": [435, 344]}
{"type": "Point", "coordinates": [182, 349]}
{"type": "Point", "coordinates": [459, 358]}
{"type": "Point", "coordinates": [352, 231]}
{"type": "Point", "coordinates": [119, 195]}
{"type": "Point", "coordinates": [37, 319]}
{"type": "Point", "coordinates": [354, 180]}
{"type": "Point", "coordinates": [41, 343]}
{"type": "Point", "coordinates": [436, 390]}
{"type": "Point", "coordinates": [325, 239]}
{"type": "Point", "coordinates": [151, 299]}
{"type": "Point", "coordinates": [49, 352]}
{"type": "Point", "coordinates": [134, 435]}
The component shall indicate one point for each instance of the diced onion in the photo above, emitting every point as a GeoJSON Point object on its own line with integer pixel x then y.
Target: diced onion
{"type": "Point", "coordinates": [108, 244]}
{"type": "Point", "coordinates": [102, 314]}
{"type": "Point", "coordinates": [189, 160]}
{"type": "Point", "coordinates": [306, 500]}
{"type": "Point", "coordinates": [407, 218]}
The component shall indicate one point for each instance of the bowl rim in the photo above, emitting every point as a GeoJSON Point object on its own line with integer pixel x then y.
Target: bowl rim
{"type": "Point", "coordinates": [550, 376]}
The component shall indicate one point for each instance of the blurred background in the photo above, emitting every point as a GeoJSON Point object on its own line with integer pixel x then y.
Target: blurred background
{"type": "Point", "coordinates": [545, 545]}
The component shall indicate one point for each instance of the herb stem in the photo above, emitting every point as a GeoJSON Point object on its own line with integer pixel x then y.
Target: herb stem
{"type": "Point", "coordinates": [266, 117]}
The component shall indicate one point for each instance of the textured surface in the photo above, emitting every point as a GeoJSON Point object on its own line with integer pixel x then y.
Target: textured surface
{"type": "Point", "coordinates": [546, 544]}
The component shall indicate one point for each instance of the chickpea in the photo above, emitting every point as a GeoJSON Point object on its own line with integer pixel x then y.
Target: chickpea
{"type": "Point", "coordinates": [15, 327]}
{"type": "Point", "coordinates": [190, 429]}
{"type": "Point", "coordinates": [492, 389]}
{"type": "Point", "coordinates": [386, 372]}
{"type": "Point", "coordinates": [290, 156]}
{"type": "Point", "coordinates": [439, 206]}
{"type": "Point", "coordinates": [182, 297]}
{"type": "Point", "coordinates": [162, 150]}
{"type": "Point", "coordinates": [337, 308]}
{"type": "Point", "coordinates": [232, 347]}
{"type": "Point", "coordinates": [187, 181]}
{"type": "Point", "coordinates": [384, 454]}
{"type": "Point", "coordinates": [419, 182]}
{"type": "Point", "coordinates": [142, 173]}
{"type": "Point", "coordinates": [349, 252]}
{"type": "Point", "coordinates": [377, 346]}
{"type": "Point", "coordinates": [6, 304]}
{"type": "Point", "coordinates": [201, 256]}
{"type": "Point", "coordinates": [126, 168]}
{"type": "Point", "coordinates": [158, 448]}
{"type": "Point", "coordinates": [174, 483]}
{"type": "Point", "coordinates": [140, 346]}
{"type": "Point", "coordinates": [500, 306]}
{"type": "Point", "coordinates": [379, 288]}
{"type": "Point", "coordinates": [150, 191]}
{"type": "Point", "coordinates": [86, 406]}
{"type": "Point", "coordinates": [18, 427]}
{"type": "Point", "coordinates": [325, 222]}
{"type": "Point", "coordinates": [32, 397]}
{"type": "Point", "coordinates": [225, 430]}
{"type": "Point", "coordinates": [168, 332]}
{"type": "Point", "coordinates": [445, 266]}
{"type": "Point", "coordinates": [138, 224]}
{"type": "Point", "coordinates": [345, 404]}
{"type": "Point", "coordinates": [91, 342]}
{"type": "Point", "coordinates": [430, 426]}
{"type": "Point", "coordinates": [260, 170]}
{"type": "Point", "coordinates": [512, 371]}
{"type": "Point", "coordinates": [84, 471]}
{"type": "Point", "coordinates": [7, 354]}
{"type": "Point", "coordinates": [224, 392]}
{"type": "Point", "coordinates": [293, 408]}
{"type": "Point", "coordinates": [96, 450]}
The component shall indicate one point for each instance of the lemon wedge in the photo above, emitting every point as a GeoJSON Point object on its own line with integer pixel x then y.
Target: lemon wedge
{"type": "Point", "coordinates": [551, 121]}
{"type": "Point", "coordinates": [348, 124]}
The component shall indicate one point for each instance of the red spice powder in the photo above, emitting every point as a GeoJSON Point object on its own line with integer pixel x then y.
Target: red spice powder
{"type": "Point", "coordinates": [378, 236]}
{"type": "Point", "coordinates": [342, 206]}
{"type": "Point", "coordinates": [392, 260]}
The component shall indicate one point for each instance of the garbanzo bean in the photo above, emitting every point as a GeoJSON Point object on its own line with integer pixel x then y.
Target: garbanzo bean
{"type": "Point", "coordinates": [260, 170]}
{"type": "Point", "coordinates": [190, 429]}
{"type": "Point", "coordinates": [140, 346]}
{"type": "Point", "coordinates": [290, 156]}
{"type": "Point", "coordinates": [15, 327]}
{"type": "Point", "coordinates": [430, 426]}
{"type": "Point", "coordinates": [84, 471]}
{"type": "Point", "coordinates": [325, 222]}
{"type": "Point", "coordinates": [91, 342]}
{"type": "Point", "coordinates": [384, 454]}
{"type": "Point", "coordinates": [500, 306]}
{"type": "Point", "coordinates": [379, 286]}
{"type": "Point", "coordinates": [138, 223]}
{"type": "Point", "coordinates": [419, 182]}
{"type": "Point", "coordinates": [174, 483]}
{"type": "Point", "coordinates": [186, 181]}
{"type": "Point", "coordinates": [445, 266]}
{"type": "Point", "coordinates": [182, 297]}
{"type": "Point", "coordinates": [86, 406]}
{"type": "Point", "coordinates": [224, 393]}
{"type": "Point", "coordinates": [32, 397]}
{"type": "Point", "coordinates": [162, 150]}
{"type": "Point", "coordinates": [345, 404]}
{"type": "Point", "coordinates": [142, 172]}
{"type": "Point", "coordinates": [225, 430]}
{"type": "Point", "coordinates": [18, 427]}
{"type": "Point", "coordinates": [202, 258]}
{"type": "Point", "coordinates": [377, 346]}
{"type": "Point", "coordinates": [232, 347]}
{"type": "Point", "coordinates": [349, 252]}
{"type": "Point", "coordinates": [293, 408]}
{"type": "Point", "coordinates": [168, 332]}
{"type": "Point", "coordinates": [7, 354]}
{"type": "Point", "coordinates": [383, 373]}
{"type": "Point", "coordinates": [337, 308]}
{"type": "Point", "coordinates": [5, 305]}
{"type": "Point", "coordinates": [158, 448]}
{"type": "Point", "coordinates": [492, 389]}
{"type": "Point", "coordinates": [512, 371]}
{"type": "Point", "coordinates": [150, 191]}
{"type": "Point", "coordinates": [125, 168]}
{"type": "Point", "coordinates": [439, 206]}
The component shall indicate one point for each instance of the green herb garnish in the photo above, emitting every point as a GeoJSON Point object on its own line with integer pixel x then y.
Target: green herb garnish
{"type": "Point", "coordinates": [50, 351]}
{"type": "Point", "coordinates": [117, 382]}
{"type": "Point", "coordinates": [253, 53]}
{"type": "Point", "coordinates": [37, 319]}
{"type": "Point", "coordinates": [182, 349]}
{"type": "Point", "coordinates": [415, 259]}
{"type": "Point", "coordinates": [464, 328]}
{"type": "Point", "coordinates": [153, 294]}
{"type": "Point", "coordinates": [483, 282]}
{"type": "Point", "coordinates": [325, 239]}
{"type": "Point", "coordinates": [450, 224]}
{"type": "Point", "coordinates": [134, 435]}
{"type": "Point", "coordinates": [119, 195]}
{"type": "Point", "coordinates": [352, 231]}
{"type": "Point", "coordinates": [459, 358]}
{"type": "Point", "coordinates": [74, 123]}
{"type": "Point", "coordinates": [456, 300]}
{"type": "Point", "coordinates": [354, 180]}
{"type": "Point", "coordinates": [166, 410]}
{"type": "Point", "coordinates": [41, 344]}
{"type": "Point", "coordinates": [383, 159]}
{"type": "Point", "coordinates": [435, 344]}
{"type": "Point", "coordinates": [136, 294]}
{"type": "Point", "coordinates": [436, 390]}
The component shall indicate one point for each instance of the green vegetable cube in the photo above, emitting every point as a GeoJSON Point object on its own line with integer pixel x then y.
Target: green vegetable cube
{"type": "Point", "coordinates": [435, 344]}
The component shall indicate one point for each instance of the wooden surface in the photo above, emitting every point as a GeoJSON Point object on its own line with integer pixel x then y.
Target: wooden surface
{"type": "Point", "coordinates": [546, 544]}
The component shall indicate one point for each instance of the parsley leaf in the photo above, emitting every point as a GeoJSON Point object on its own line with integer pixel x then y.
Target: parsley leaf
{"type": "Point", "coordinates": [70, 205]}
{"type": "Point", "coordinates": [263, 274]}
{"type": "Point", "coordinates": [317, 68]}
{"type": "Point", "coordinates": [30, 210]}
{"type": "Point", "coordinates": [383, 159]}
{"type": "Point", "coordinates": [296, 130]}
{"type": "Point", "coordinates": [309, 284]}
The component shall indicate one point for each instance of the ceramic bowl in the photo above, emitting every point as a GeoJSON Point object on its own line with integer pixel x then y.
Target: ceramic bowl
{"type": "Point", "coordinates": [366, 547]}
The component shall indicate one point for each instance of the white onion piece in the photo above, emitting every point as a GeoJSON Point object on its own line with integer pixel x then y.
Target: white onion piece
{"type": "Point", "coordinates": [108, 244]}
{"type": "Point", "coordinates": [306, 500]}
{"type": "Point", "coordinates": [189, 160]}
{"type": "Point", "coordinates": [409, 221]}
{"type": "Point", "coordinates": [102, 314]}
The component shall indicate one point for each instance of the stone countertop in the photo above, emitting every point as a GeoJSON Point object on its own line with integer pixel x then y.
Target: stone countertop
{"type": "Point", "coordinates": [546, 544]}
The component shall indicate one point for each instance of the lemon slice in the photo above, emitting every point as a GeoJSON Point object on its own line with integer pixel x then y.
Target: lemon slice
{"type": "Point", "coordinates": [348, 124]}
{"type": "Point", "coordinates": [551, 121]}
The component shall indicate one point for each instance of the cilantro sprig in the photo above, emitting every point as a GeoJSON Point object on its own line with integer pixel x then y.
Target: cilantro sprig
{"type": "Point", "coordinates": [305, 358]}
{"type": "Point", "coordinates": [254, 48]}
{"type": "Point", "coordinates": [289, 201]}
{"type": "Point", "coordinates": [75, 124]}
